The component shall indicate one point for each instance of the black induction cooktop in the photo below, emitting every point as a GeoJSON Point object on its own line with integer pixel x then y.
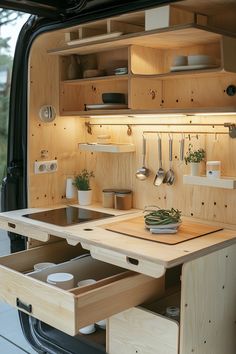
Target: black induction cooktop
{"type": "Point", "coordinates": [67, 216]}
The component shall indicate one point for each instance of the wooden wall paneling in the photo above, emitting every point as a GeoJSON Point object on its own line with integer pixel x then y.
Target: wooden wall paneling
{"type": "Point", "coordinates": [72, 98]}
{"type": "Point", "coordinates": [110, 60]}
{"type": "Point", "coordinates": [145, 93]}
{"type": "Point", "coordinates": [208, 311]}
{"type": "Point", "coordinates": [146, 61]}
{"type": "Point", "coordinates": [58, 138]}
{"type": "Point", "coordinates": [212, 204]}
{"type": "Point", "coordinates": [198, 92]}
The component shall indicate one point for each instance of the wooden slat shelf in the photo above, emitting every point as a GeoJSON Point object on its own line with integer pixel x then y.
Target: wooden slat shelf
{"type": "Point", "coordinates": [170, 75]}
{"type": "Point", "coordinates": [133, 112]}
{"type": "Point", "coordinates": [111, 148]}
{"type": "Point", "coordinates": [95, 79]}
{"type": "Point", "coordinates": [224, 182]}
{"type": "Point", "coordinates": [172, 37]}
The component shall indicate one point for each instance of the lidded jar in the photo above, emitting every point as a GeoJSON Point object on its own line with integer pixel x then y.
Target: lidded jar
{"type": "Point", "coordinates": [213, 169]}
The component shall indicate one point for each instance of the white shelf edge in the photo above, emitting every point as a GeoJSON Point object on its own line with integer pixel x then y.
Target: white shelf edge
{"type": "Point", "coordinates": [224, 182]}
{"type": "Point", "coordinates": [111, 148]}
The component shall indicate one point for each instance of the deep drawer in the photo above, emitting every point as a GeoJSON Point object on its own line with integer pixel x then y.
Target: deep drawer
{"type": "Point", "coordinates": [116, 289]}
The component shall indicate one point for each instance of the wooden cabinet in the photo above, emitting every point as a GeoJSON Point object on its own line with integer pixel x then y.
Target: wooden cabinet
{"type": "Point", "coordinates": [116, 289]}
{"type": "Point", "coordinates": [206, 302]}
{"type": "Point", "coordinates": [152, 83]}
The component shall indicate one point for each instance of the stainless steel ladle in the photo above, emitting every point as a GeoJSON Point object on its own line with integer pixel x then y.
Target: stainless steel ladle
{"type": "Point", "coordinates": [143, 172]}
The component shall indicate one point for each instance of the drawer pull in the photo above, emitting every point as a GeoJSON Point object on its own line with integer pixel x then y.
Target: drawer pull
{"type": "Point", "coordinates": [23, 306]}
{"type": "Point", "coordinates": [132, 261]}
{"type": "Point", "coordinates": [13, 226]}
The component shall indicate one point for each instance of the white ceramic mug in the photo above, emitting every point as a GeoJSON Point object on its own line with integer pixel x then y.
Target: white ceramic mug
{"type": "Point", "coordinates": [90, 328]}
{"type": "Point", "coordinates": [61, 280]}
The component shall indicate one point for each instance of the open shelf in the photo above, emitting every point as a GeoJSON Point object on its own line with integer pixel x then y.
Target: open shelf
{"type": "Point", "coordinates": [95, 79]}
{"type": "Point", "coordinates": [224, 182]}
{"type": "Point", "coordinates": [112, 148]}
{"type": "Point", "coordinates": [172, 37]}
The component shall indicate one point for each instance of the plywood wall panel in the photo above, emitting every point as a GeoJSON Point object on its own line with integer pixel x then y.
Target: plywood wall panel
{"type": "Point", "coordinates": [61, 137]}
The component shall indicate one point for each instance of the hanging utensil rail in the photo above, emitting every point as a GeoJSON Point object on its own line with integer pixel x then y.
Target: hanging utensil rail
{"type": "Point", "coordinates": [231, 126]}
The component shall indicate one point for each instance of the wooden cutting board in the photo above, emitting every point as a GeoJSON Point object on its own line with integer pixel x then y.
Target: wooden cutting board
{"type": "Point", "coordinates": [136, 228]}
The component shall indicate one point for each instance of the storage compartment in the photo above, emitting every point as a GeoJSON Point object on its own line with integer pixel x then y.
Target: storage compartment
{"type": "Point", "coordinates": [147, 329]}
{"type": "Point", "coordinates": [115, 289]}
{"type": "Point", "coordinates": [85, 65]}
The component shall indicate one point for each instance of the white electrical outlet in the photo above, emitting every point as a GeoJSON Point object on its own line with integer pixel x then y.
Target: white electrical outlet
{"type": "Point", "coordinates": [45, 166]}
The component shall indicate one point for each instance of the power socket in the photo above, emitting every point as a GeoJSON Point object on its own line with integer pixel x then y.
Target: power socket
{"type": "Point", "coordinates": [45, 166]}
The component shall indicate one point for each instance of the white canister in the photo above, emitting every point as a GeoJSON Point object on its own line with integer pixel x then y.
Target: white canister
{"type": "Point", "coordinates": [213, 169]}
{"type": "Point", "coordinates": [61, 280]}
{"type": "Point", "coordinates": [70, 189]}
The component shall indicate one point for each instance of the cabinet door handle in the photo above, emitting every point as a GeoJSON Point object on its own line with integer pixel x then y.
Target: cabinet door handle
{"type": "Point", "coordinates": [23, 306]}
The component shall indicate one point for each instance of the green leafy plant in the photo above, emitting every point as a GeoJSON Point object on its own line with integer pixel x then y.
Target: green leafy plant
{"type": "Point", "coordinates": [162, 216]}
{"type": "Point", "coordinates": [194, 155]}
{"type": "Point", "coordinates": [82, 181]}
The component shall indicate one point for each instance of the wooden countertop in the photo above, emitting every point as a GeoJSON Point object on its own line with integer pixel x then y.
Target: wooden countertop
{"type": "Point", "coordinates": [103, 242]}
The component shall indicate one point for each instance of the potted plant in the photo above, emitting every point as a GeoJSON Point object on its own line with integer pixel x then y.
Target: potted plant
{"type": "Point", "coordinates": [194, 157]}
{"type": "Point", "coordinates": [82, 183]}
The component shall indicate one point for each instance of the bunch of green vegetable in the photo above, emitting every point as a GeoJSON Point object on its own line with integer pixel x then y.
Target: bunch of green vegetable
{"type": "Point", "coordinates": [163, 217]}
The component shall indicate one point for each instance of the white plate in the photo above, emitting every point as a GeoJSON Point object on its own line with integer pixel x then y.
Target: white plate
{"type": "Point", "coordinates": [106, 106]}
{"type": "Point", "coordinates": [101, 37]}
{"type": "Point", "coordinates": [167, 226]}
{"type": "Point", "coordinates": [193, 67]}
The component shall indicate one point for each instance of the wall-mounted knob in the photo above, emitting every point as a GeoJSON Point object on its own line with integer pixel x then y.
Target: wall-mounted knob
{"type": "Point", "coordinates": [47, 113]}
{"type": "Point", "coordinates": [231, 90]}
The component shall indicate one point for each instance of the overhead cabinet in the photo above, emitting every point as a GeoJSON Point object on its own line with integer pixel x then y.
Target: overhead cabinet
{"type": "Point", "coordinates": [152, 82]}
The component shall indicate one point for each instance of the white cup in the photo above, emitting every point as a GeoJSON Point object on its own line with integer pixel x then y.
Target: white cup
{"type": "Point", "coordinates": [90, 328]}
{"type": "Point", "coordinates": [61, 280]}
{"type": "Point", "coordinates": [43, 265]}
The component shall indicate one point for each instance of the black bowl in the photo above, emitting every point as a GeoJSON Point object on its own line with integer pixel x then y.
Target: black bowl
{"type": "Point", "coordinates": [113, 97]}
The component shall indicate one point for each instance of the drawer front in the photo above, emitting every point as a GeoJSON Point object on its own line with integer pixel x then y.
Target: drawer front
{"type": "Point", "coordinates": [115, 290]}
{"type": "Point", "coordinates": [141, 331]}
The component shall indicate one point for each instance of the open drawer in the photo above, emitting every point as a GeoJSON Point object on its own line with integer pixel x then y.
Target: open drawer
{"type": "Point", "coordinates": [116, 289]}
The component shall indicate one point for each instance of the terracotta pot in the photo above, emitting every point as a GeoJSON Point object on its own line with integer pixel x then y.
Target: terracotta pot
{"type": "Point", "coordinates": [85, 197]}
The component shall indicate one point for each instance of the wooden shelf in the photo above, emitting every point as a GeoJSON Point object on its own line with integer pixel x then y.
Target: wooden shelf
{"type": "Point", "coordinates": [96, 79]}
{"type": "Point", "coordinates": [172, 37]}
{"type": "Point", "coordinates": [224, 182]}
{"type": "Point", "coordinates": [112, 148]}
{"type": "Point", "coordinates": [132, 112]}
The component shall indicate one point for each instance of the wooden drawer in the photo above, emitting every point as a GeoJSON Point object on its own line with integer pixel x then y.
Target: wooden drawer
{"type": "Point", "coordinates": [116, 288]}
{"type": "Point", "coordinates": [143, 331]}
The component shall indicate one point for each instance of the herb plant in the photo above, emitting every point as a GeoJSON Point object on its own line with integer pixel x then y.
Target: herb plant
{"type": "Point", "coordinates": [194, 155]}
{"type": "Point", "coordinates": [82, 181]}
{"type": "Point", "coordinates": [162, 216]}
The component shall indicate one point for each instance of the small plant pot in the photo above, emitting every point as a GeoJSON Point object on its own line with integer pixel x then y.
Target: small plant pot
{"type": "Point", "coordinates": [85, 197]}
{"type": "Point", "coordinates": [195, 168]}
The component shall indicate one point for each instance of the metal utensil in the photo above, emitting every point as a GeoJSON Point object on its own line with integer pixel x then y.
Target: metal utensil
{"type": "Point", "coordinates": [181, 151]}
{"type": "Point", "coordinates": [143, 172]}
{"type": "Point", "coordinates": [170, 175]}
{"type": "Point", "coordinates": [160, 172]}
